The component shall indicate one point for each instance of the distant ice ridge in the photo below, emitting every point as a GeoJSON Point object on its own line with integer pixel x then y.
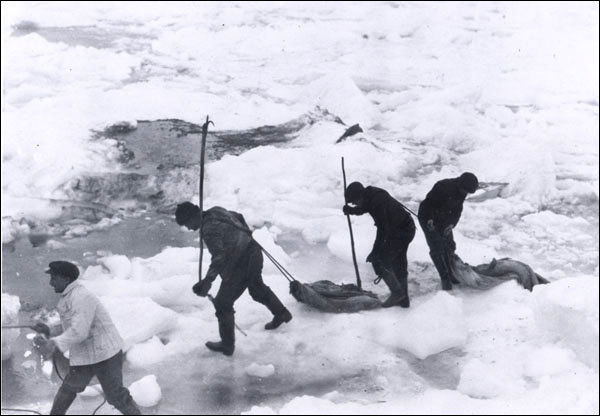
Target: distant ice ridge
{"type": "Point", "coordinates": [457, 78]}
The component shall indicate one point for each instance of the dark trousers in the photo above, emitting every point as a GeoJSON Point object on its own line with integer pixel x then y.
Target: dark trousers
{"type": "Point", "coordinates": [394, 260]}
{"type": "Point", "coordinates": [246, 275]}
{"type": "Point", "coordinates": [441, 250]}
{"type": "Point", "coordinates": [110, 375]}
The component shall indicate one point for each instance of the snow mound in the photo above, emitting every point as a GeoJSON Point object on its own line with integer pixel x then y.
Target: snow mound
{"type": "Point", "coordinates": [567, 311]}
{"type": "Point", "coordinates": [166, 278]}
{"type": "Point", "coordinates": [147, 353]}
{"type": "Point", "coordinates": [426, 329]}
{"type": "Point", "coordinates": [139, 319]}
{"type": "Point", "coordinates": [118, 266]}
{"type": "Point", "coordinates": [340, 96]}
{"type": "Point", "coordinates": [146, 392]}
{"type": "Point", "coordinates": [528, 168]}
{"type": "Point", "coordinates": [266, 238]}
{"type": "Point", "coordinates": [485, 380]}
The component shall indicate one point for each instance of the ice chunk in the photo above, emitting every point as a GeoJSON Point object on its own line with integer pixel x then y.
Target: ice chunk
{"type": "Point", "coordinates": [10, 311]}
{"type": "Point", "coordinates": [146, 392]}
{"type": "Point", "coordinates": [172, 261]}
{"type": "Point", "coordinates": [29, 364]}
{"type": "Point", "coordinates": [119, 266]}
{"type": "Point", "coordinates": [339, 95]}
{"type": "Point", "coordinates": [257, 370]}
{"type": "Point", "coordinates": [55, 245]}
{"type": "Point", "coordinates": [484, 380]}
{"type": "Point", "coordinates": [260, 410]}
{"type": "Point", "coordinates": [146, 353]}
{"type": "Point", "coordinates": [12, 229]}
{"type": "Point", "coordinates": [139, 319]}
{"type": "Point", "coordinates": [266, 239]}
{"type": "Point", "coordinates": [567, 310]}
{"type": "Point", "coordinates": [426, 329]}
{"type": "Point", "coordinates": [169, 291]}
{"type": "Point", "coordinates": [364, 235]}
{"type": "Point", "coordinates": [308, 405]}
{"type": "Point", "coordinates": [527, 167]}
{"type": "Point", "coordinates": [47, 368]}
{"type": "Point", "coordinates": [166, 278]}
{"type": "Point", "coordinates": [561, 225]}
{"type": "Point", "coordinates": [549, 360]}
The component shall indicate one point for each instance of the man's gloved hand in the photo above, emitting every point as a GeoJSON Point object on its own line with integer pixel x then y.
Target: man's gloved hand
{"type": "Point", "coordinates": [202, 288]}
{"type": "Point", "coordinates": [41, 328]}
{"type": "Point", "coordinates": [448, 230]}
{"type": "Point", "coordinates": [430, 225]}
{"type": "Point", "coordinates": [346, 209]}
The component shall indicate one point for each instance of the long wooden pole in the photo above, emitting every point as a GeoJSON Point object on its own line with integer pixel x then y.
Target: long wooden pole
{"type": "Point", "coordinates": [201, 191]}
{"type": "Point", "coordinates": [16, 326]}
{"type": "Point", "coordinates": [358, 283]}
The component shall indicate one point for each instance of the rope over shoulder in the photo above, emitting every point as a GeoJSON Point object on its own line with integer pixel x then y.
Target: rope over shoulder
{"type": "Point", "coordinates": [273, 260]}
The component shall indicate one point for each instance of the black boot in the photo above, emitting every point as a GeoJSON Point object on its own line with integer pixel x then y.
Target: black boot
{"type": "Point", "coordinates": [399, 294]}
{"type": "Point", "coordinates": [439, 261]}
{"type": "Point", "coordinates": [396, 299]}
{"type": "Point", "coordinates": [220, 347]}
{"type": "Point", "coordinates": [63, 400]}
{"type": "Point", "coordinates": [278, 319]}
{"type": "Point", "coordinates": [265, 296]}
{"type": "Point", "coordinates": [227, 332]}
{"type": "Point", "coordinates": [130, 408]}
{"type": "Point", "coordinates": [403, 280]}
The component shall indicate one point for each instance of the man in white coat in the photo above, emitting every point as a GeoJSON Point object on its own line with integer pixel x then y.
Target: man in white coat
{"type": "Point", "coordinates": [94, 344]}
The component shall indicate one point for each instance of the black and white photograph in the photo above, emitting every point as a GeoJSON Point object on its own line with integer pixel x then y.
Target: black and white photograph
{"type": "Point", "coordinates": [300, 208]}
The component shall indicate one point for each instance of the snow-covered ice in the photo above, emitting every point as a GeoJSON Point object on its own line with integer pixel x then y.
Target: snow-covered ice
{"type": "Point", "coordinates": [506, 90]}
{"type": "Point", "coordinates": [567, 312]}
{"type": "Point", "coordinates": [10, 311]}
{"type": "Point", "coordinates": [138, 319]}
{"type": "Point", "coordinates": [258, 370]}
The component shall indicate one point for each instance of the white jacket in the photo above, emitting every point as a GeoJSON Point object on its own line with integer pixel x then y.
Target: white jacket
{"type": "Point", "coordinates": [88, 332]}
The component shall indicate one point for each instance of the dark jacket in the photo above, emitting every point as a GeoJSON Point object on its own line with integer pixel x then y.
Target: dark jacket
{"type": "Point", "coordinates": [227, 237]}
{"type": "Point", "coordinates": [443, 204]}
{"type": "Point", "coordinates": [394, 224]}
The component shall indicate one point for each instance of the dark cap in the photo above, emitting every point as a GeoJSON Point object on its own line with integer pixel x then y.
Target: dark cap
{"type": "Point", "coordinates": [185, 211]}
{"type": "Point", "coordinates": [469, 182]}
{"type": "Point", "coordinates": [63, 268]}
{"type": "Point", "coordinates": [354, 192]}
